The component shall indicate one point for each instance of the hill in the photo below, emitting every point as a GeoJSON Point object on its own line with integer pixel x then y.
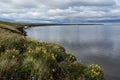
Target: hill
{"type": "Point", "coordinates": [22, 58]}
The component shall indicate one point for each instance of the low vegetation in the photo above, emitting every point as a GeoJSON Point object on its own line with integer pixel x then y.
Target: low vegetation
{"type": "Point", "coordinates": [9, 30]}
{"type": "Point", "coordinates": [25, 59]}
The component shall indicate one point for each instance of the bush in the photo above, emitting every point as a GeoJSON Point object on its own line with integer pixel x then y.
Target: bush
{"type": "Point", "coordinates": [93, 72]}
{"type": "Point", "coordinates": [23, 59]}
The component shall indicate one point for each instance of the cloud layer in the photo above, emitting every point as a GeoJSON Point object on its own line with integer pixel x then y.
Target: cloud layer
{"type": "Point", "coordinates": [60, 11]}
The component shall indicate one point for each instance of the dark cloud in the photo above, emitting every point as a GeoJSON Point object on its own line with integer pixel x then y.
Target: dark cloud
{"type": "Point", "coordinates": [62, 10]}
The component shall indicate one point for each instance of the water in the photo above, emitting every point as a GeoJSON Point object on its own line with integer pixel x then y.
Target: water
{"type": "Point", "coordinates": [98, 44]}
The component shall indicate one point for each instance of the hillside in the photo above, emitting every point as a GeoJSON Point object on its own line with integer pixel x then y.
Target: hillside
{"type": "Point", "coordinates": [22, 58]}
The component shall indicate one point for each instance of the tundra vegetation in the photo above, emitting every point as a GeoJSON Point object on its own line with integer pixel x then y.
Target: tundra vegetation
{"type": "Point", "coordinates": [22, 58]}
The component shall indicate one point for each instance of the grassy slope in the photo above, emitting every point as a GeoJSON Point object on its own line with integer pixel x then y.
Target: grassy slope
{"type": "Point", "coordinates": [21, 58]}
{"type": "Point", "coordinates": [8, 30]}
{"type": "Point", "coordinates": [11, 26]}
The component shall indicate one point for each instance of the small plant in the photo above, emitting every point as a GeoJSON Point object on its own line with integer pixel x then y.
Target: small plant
{"type": "Point", "coordinates": [93, 72]}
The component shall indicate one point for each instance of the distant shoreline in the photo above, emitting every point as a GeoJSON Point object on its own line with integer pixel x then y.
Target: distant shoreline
{"type": "Point", "coordinates": [45, 25]}
{"type": "Point", "coordinates": [52, 24]}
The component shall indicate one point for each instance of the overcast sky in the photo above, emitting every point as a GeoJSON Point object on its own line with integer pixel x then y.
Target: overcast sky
{"type": "Point", "coordinates": [59, 10]}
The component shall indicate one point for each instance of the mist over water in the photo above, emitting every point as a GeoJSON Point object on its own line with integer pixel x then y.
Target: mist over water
{"type": "Point", "coordinates": [98, 44]}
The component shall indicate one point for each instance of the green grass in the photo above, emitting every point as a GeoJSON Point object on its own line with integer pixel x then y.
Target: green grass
{"type": "Point", "coordinates": [8, 30]}
{"type": "Point", "coordinates": [11, 26]}
{"type": "Point", "coordinates": [26, 58]}
{"type": "Point", "coordinates": [22, 58]}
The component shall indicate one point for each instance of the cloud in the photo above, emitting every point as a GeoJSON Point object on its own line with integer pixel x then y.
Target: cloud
{"type": "Point", "coordinates": [59, 11]}
{"type": "Point", "coordinates": [117, 2]}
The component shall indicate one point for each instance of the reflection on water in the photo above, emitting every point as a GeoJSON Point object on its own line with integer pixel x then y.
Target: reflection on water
{"type": "Point", "coordinates": [90, 44]}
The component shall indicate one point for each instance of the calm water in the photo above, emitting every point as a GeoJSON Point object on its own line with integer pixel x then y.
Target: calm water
{"type": "Point", "coordinates": [99, 44]}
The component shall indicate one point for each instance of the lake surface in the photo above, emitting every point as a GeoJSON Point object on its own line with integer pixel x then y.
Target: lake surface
{"type": "Point", "coordinates": [98, 44]}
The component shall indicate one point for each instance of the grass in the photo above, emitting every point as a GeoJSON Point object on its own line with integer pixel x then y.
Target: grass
{"type": "Point", "coordinates": [8, 34]}
{"type": "Point", "coordinates": [22, 58]}
{"type": "Point", "coordinates": [11, 26]}
{"type": "Point", "coordinates": [8, 30]}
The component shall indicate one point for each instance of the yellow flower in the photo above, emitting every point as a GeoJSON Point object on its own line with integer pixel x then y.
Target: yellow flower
{"type": "Point", "coordinates": [37, 48]}
{"type": "Point", "coordinates": [5, 52]}
{"type": "Point", "coordinates": [53, 70]}
{"type": "Point", "coordinates": [29, 51]}
{"type": "Point", "coordinates": [13, 56]}
{"type": "Point", "coordinates": [53, 57]}
{"type": "Point", "coordinates": [51, 78]}
{"type": "Point", "coordinates": [44, 50]}
{"type": "Point", "coordinates": [92, 70]}
{"type": "Point", "coordinates": [97, 73]}
{"type": "Point", "coordinates": [14, 49]}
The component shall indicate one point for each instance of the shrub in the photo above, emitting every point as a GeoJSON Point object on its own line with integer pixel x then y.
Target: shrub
{"type": "Point", "coordinates": [93, 72]}
{"type": "Point", "coordinates": [23, 59]}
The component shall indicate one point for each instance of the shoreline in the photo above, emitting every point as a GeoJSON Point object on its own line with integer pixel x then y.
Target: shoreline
{"type": "Point", "coordinates": [24, 33]}
{"type": "Point", "coordinates": [52, 24]}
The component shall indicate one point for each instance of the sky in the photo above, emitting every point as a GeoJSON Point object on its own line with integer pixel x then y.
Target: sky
{"type": "Point", "coordinates": [59, 11]}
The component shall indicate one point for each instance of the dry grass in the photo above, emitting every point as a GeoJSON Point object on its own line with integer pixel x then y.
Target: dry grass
{"type": "Point", "coordinates": [8, 34]}
{"type": "Point", "coordinates": [9, 27]}
{"type": "Point", "coordinates": [9, 30]}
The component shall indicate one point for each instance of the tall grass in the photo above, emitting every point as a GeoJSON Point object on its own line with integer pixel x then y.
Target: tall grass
{"type": "Point", "coordinates": [23, 59]}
